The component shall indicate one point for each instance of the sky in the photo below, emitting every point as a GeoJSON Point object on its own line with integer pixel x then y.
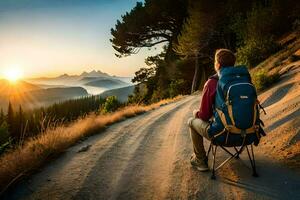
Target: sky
{"type": "Point", "coordinates": [52, 37]}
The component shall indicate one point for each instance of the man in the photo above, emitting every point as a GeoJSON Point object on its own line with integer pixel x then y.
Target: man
{"type": "Point", "coordinates": [199, 123]}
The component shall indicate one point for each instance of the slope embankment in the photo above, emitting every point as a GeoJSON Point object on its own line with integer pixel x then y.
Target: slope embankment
{"type": "Point", "coordinates": [282, 104]}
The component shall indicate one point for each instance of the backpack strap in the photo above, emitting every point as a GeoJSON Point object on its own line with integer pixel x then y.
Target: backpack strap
{"type": "Point", "coordinates": [255, 113]}
{"type": "Point", "coordinates": [232, 128]}
{"type": "Point", "coordinates": [230, 112]}
{"type": "Point", "coordinates": [261, 107]}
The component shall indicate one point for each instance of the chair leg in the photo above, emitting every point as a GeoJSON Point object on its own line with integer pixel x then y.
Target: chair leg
{"type": "Point", "coordinates": [238, 155]}
{"type": "Point", "coordinates": [252, 161]}
{"type": "Point", "coordinates": [214, 152]}
{"type": "Point", "coordinates": [207, 155]}
{"type": "Point", "coordinates": [254, 164]}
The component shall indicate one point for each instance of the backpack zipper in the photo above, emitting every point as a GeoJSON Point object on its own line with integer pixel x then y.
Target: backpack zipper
{"type": "Point", "coordinates": [236, 85]}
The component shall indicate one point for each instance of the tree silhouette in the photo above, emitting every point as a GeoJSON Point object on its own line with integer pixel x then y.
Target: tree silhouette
{"type": "Point", "coordinates": [11, 120]}
{"type": "Point", "coordinates": [195, 37]}
{"type": "Point", "coordinates": [148, 24]}
{"type": "Point", "coordinates": [2, 116]}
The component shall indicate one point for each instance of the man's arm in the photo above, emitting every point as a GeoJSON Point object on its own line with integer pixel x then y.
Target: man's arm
{"type": "Point", "coordinates": [208, 99]}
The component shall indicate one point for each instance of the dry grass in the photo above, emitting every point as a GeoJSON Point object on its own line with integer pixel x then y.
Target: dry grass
{"type": "Point", "coordinates": [34, 153]}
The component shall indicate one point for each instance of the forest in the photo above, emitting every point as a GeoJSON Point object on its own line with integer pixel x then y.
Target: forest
{"type": "Point", "coordinates": [18, 125]}
{"type": "Point", "coordinates": [191, 31]}
{"type": "Point", "coordinates": [188, 32]}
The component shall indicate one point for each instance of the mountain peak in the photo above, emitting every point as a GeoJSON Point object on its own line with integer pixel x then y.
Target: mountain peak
{"type": "Point", "coordinates": [63, 76]}
{"type": "Point", "coordinates": [94, 73]}
{"type": "Point", "coordinates": [84, 73]}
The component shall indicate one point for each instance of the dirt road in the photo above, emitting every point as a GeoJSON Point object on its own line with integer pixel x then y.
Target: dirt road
{"type": "Point", "coordinates": [147, 157]}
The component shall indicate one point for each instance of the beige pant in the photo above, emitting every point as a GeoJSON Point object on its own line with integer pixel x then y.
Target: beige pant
{"type": "Point", "coordinates": [198, 130]}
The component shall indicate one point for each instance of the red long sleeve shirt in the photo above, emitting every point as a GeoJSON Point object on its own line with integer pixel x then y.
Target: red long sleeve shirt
{"type": "Point", "coordinates": [208, 99]}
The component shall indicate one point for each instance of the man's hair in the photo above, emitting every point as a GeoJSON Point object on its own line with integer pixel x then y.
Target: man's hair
{"type": "Point", "coordinates": [225, 57]}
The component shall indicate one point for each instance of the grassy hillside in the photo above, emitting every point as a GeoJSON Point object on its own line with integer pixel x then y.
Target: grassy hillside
{"type": "Point", "coordinates": [9, 88]}
{"type": "Point", "coordinates": [51, 95]}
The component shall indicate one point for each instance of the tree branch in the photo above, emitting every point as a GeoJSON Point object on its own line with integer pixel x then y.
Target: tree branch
{"type": "Point", "coordinates": [155, 43]}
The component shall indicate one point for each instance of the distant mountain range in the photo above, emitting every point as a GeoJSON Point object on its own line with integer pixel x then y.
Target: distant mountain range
{"type": "Point", "coordinates": [94, 73]}
{"type": "Point", "coordinates": [44, 91]}
{"type": "Point", "coordinates": [95, 82]}
{"type": "Point", "coordinates": [66, 77]}
{"type": "Point", "coordinates": [31, 96]}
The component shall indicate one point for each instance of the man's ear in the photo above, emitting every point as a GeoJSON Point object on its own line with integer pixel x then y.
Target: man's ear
{"type": "Point", "coordinates": [217, 66]}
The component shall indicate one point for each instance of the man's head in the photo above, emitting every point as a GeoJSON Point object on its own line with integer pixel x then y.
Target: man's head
{"type": "Point", "coordinates": [224, 58]}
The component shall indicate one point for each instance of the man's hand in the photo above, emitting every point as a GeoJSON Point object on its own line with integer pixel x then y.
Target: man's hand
{"type": "Point", "coordinates": [195, 113]}
{"type": "Point", "coordinates": [189, 122]}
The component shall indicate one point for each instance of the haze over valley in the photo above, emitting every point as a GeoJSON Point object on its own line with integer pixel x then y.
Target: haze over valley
{"type": "Point", "coordinates": [44, 91]}
{"type": "Point", "coordinates": [94, 82]}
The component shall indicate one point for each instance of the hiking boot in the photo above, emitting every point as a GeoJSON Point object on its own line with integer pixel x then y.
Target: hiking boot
{"type": "Point", "coordinates": [200, 165]}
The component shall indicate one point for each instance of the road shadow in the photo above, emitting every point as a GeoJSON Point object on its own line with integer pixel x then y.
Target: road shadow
{"type": "Point", "coordinates": [295, 138]}
{"type": "Point", "coordinates": [279, 94]}
{"type": "Point", "coordinates": [274, 181]}
{"type": "Point", "coordinates": [292, 116]}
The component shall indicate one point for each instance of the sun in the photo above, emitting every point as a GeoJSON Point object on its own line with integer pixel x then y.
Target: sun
{"type": "Point", "coordinates": [13, 74]}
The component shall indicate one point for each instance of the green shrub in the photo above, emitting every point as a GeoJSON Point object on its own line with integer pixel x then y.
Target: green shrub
{"type": "Point", "coordinates": [176, 87]}
{"type": "Point", "coordinates": [262, 80]}
{"type": "Point", "coordinates": [111, 104]}
{"type": "Point", "coordinates": [159, 95]}
{"type": "Point", "coordinates": [4, 134]}
{"type": "Point", "coordinates": [256, 35]}
{"type": "Point", "coordinates": [5, 146]}
{"type": "Point", "coordinates": [255, 51]}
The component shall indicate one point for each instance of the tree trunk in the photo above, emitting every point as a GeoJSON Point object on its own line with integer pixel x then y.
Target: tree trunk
{"type": "Point", "coordinates": [196, 76]}
{"type": "Point", "coordinates": [203, 77]}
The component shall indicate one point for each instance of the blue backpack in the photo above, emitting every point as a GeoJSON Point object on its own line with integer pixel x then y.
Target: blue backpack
{"type": "Point", "coordinates": [236, 113]}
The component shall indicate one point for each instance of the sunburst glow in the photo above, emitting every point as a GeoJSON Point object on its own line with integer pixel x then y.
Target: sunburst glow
{"type": "Point", "coordinates": [13, 74]}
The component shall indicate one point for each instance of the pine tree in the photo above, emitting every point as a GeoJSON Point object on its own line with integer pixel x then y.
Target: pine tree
{"type": "Point", "coordinates": [195, 36]}
{"type": "Point", "coordinates": [11, 120]}
{"type": "Point", "coordinates": [4, 134]}
{"type": "Point", "coordinates": [2, 116]}
{"type": "Point", "coordinates": [20, 122]}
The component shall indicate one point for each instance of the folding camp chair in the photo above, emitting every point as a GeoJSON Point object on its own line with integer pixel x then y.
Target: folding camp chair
{"type": "Point", "coordinates": [238, 150]}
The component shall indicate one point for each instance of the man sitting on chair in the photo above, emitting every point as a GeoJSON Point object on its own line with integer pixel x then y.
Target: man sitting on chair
{"type": "Point", "coordinates": [199, 123]}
